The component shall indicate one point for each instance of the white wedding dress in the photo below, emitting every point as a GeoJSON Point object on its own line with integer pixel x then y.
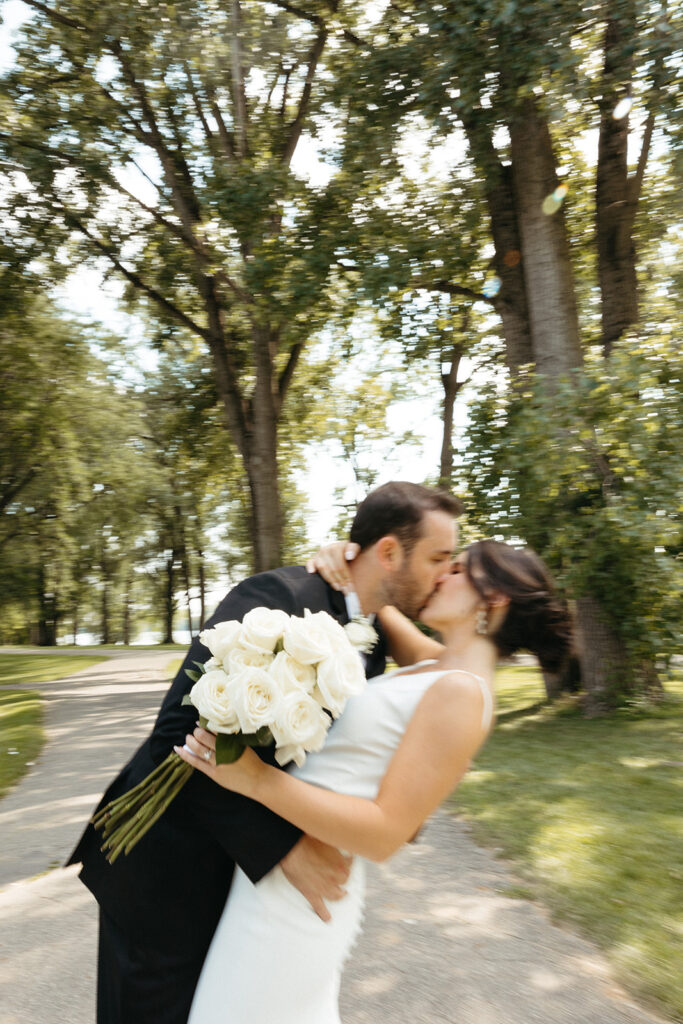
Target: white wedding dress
{"type": "Point", "coordinates": [272, 960]}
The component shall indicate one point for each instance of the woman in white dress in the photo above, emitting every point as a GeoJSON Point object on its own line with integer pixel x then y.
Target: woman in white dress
{"type": "Point", "coordinates": [399, 749]}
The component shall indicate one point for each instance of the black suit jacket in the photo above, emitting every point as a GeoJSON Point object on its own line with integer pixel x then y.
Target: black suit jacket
{"type": "Point", "coordinates": [171, 888]}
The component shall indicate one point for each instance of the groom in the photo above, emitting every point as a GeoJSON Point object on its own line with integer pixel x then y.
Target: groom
{"type": "Point", "coordinates": [160, 904]}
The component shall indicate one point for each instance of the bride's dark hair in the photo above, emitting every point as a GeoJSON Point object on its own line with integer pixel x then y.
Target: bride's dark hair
{"type": "Point", "coordinates": [536, 619]}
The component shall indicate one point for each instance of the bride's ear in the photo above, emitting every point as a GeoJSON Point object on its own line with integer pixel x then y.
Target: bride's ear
{"type": "Point", "coordinates": [498, 605]}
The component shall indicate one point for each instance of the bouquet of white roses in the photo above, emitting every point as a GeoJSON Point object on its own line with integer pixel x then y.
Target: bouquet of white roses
{"type": "Point", "coordinates": [270, 678]}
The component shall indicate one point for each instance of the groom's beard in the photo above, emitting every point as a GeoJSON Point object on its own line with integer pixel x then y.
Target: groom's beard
{"type": "Point", "coordinates": [409, 596]}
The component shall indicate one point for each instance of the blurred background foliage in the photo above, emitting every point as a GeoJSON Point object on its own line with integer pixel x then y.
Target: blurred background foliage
{"type": "Point", "coordinates": [317, 211]}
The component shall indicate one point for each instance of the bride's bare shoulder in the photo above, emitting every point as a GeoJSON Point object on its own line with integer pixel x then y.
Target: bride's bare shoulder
{"type": "Point", "coordinates": [459, 693]}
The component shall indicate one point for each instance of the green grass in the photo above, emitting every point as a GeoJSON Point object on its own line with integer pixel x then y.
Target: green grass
{"type": "Point", "coordinates": [589, 812]}
{"type": "Point", "coordinates": [21, 713]}
{"type": "Point", "coordinates": [41, 668]}
{"type": "Point", "coordinates": [172, 667]}
{"type": "Point", "coordinates": [132, 648]}
{"type": "Point", "coordinates": [21, 734]}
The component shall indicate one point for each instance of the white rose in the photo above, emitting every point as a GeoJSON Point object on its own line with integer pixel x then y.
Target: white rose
{"type": "Point", "coordinates": [308, 640]}
{"type": "Point", "coordinates": [291, 674]}
{"type": "Point", "coordinates": [256, 698]}
{"type": "Point", "coordinates": [290, 752]}
{"type": "Point", "coordinates": [360, 635]}
{"type": "Point", "coordinates": [263, 628]}
{"type": "Point", "coordinates": [221, 638]}
{"type": "Point", "coordinates": [301, 723]}
{"type": "Point", "coordinates": [240, 658]}
{"type": "Point", "coordinates": [333, 629]}
{"type": "Point", "coordinates": [340, 677]}
{"type": "Point", "coordinates": [211, 695]}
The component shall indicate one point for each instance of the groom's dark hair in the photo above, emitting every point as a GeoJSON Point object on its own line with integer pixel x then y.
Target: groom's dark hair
{"type": "Point", "coordinates": [399, 508]}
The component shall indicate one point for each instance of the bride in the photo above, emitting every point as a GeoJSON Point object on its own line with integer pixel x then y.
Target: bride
{"type": "Point", "coordinates": [399, 749]}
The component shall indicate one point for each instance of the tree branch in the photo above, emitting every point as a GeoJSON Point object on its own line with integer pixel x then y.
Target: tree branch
{"type": "Point", "coordinates": [223, 134]}
{"type": "Point", "coordinates": [55, 16]}
{"type": "Point", "coordinates": [197, 105]}
{"type": "Point", "coordinates": [456, 289]}
{"type": "Point", "coordinates": [288, 372]}
{"type": "Point", "coordinates": [315, 19]}
{"type": "Point", "coordinates": [135, 279]}
{"type": "Point", "coordinates": [295, 129]}
{"type": "Point", "coordinates": [636, 180]}
{"type": "Point", "coordinates": [239, 96]}
{"type": "Point", "coordinates": [11, 492]}
{"type": "Point", "coordinates": [188, 214]}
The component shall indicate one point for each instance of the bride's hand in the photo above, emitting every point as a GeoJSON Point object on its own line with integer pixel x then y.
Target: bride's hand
{"type": "Point", "coordinates": [332, 562]}
{"type": "Point", "coordinates": [241, 776]}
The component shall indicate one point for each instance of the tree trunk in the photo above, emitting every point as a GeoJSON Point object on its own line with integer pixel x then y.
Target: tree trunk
{"type": "Point", "coordinates": [511, 301]}
{"type": "Point", "coordinates": [169, 604]}
{"type": "Point", "coordinates": [265, 518]}
{"type": "Point", "coordinates": [545, 249]}
{"type": "Point", "coordinates": [104, 630]}
{"type": "Point", "coordinates": [260, 457]}
{"type": "Point", "coordinates": [451, 387]}
{"type": "Point", "coordinates": [47, 623]}
{"type": "Point", "coordinates": [567, 680]}
{"type": "Point", "coordinates": [253, 426]}
{"type": "Point", "coordinates": [604, 664]}
{"type": "Point", "coordinates": [127, 608]}
{"type": "Point", "coordinates": [202, 586]}
{"type": "Point", "coordinates": [186, 582]}
{"type": "Point", "coordinates": [615, 200]}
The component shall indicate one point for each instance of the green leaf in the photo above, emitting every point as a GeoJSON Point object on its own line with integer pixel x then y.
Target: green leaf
{"type": "Point", "coordinates": [229, 747]}
{"type": "Point", "coordinates": [261, 738]}
{"type": "Point", "coordinates": [194, 676]}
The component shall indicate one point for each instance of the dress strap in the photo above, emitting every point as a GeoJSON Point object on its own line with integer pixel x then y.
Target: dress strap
{"type": "Point", "coordinates": [487, 713]}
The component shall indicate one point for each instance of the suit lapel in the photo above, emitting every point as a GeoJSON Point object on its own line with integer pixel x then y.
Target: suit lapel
{"type": "Point", "coordinates": [338, 604]}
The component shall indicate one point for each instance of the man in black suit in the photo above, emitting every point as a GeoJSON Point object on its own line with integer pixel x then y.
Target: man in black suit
{"type": "Point", "coordinates": [160, 904]}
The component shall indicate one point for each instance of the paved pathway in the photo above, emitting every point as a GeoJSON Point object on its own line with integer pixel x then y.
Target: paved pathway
{"type": "Point", "coordinates": [442, 942]}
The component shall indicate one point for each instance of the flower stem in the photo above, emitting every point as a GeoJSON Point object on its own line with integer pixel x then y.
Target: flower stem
{"type": "Point", "coordinates": [130, 801]}
{"type": "Point", "coordinates": [105, 812]}
{"type": "Point", "coordinates": [125, 821]}
{"type": "Point", "coordinates": [129, 833]}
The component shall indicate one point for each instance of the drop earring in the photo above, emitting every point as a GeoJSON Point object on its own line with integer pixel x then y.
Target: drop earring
{"type": "Point", "coordinates": [483, 621]}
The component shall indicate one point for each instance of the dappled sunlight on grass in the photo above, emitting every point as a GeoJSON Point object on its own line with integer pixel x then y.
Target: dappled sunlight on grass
{"type": "Point", "coordinates": [589, 810]}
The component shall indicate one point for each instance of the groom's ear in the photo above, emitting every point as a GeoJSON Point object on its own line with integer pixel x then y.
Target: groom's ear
{"type": "Point", "coordinates": [389, 552]}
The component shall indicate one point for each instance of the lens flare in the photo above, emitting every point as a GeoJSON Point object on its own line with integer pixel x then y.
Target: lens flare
{"type": "Point", "coordinates": [622, 108]}
{"type": "Point", "coordinates": [512, 258]}
{"type": "Point", "coordinates": [492, 287]}
{"type": "Point", "coordinates": [553, 202]}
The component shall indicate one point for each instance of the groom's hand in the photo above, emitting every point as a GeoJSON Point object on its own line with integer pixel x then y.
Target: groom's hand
{"type": "Point", "coordinates": [318, 871]}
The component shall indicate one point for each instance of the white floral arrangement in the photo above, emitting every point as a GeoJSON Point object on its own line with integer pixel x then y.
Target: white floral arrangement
{"type": "Point", "coordinates": [271, 678]}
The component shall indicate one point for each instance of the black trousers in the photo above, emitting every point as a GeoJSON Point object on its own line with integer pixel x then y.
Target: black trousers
{"type": "Point", "coordinates": [140, 984]}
